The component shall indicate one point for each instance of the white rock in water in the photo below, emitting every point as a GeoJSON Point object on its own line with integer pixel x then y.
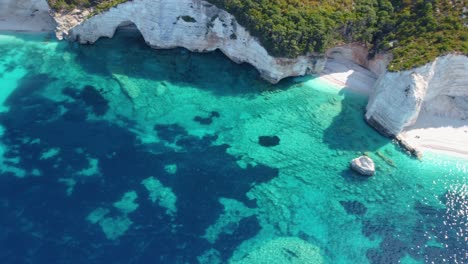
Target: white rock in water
{"type": "Point", "coordinates": [363, 165]}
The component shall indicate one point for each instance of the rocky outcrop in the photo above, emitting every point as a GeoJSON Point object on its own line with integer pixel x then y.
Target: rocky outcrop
{"type": "Point", "coordinates": [363, 165]}
{"type": "Point", "coordinates": [67, 20]}
{"type": "Point", "coordinates": [197, 26]}
{"type": "Point", "coordinates": [439, 87]}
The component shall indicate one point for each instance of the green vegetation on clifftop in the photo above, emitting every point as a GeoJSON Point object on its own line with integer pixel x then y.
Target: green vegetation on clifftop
{"type": "Point", "coordinates": [428, 29]}
{"type": "Point", "coordinates": [414, 31]}
{"type": "Point", "coordinates": [99, 5]}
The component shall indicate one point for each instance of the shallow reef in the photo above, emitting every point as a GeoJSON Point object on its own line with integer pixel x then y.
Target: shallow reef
{"type": "Point", "coordinates": [117, 152]}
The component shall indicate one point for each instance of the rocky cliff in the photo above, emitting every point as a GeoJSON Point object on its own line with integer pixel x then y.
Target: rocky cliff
{"type": "Point", "coordinates": [439, 88]}
{"type": "Point", "coordinates": [25, 15]}
{"type": "Point", "coordinates": [197, 26]}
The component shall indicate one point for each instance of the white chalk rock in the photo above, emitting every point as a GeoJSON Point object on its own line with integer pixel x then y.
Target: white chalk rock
{"type": "Point", "coordinates": [198, 26]}
{"type": "Point", "coordinates": [363, 165]}
{"type": "Point", "coordinates": [25, 15]}
{"type": "Point", "coordinates": [439, 87]}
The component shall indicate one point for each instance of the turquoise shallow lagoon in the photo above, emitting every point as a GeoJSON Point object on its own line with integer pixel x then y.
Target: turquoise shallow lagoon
{"type": "Point", "coordinates": [117, 153]}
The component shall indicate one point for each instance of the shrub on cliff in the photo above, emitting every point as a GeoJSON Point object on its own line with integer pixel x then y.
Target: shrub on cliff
{"type": "Point", "coordinates": [99, 5]}
{"type": "Point", "coordinates": [416, 32]}
{"type": "Point", "coordinates": [68, 4]}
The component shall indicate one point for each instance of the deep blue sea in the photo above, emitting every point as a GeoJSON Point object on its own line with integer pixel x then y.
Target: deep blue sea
{"type": "Point", "coordinates": [118, 153]}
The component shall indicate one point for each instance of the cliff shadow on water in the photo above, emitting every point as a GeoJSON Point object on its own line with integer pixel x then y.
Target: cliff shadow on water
{"type": "Point", "coordinates": [359, 137]}
{"type": "Point", "coordinates": [215, 72]}
{"type": "Point", "coordinates": [218, 74]}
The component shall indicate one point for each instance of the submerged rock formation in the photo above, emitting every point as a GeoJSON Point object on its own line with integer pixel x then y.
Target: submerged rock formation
{"type": "Point", "coordinates": [198, 26]}
{"type": "Point", "coordinates": [439, 88]}
{"type": "Point", "coordinates": [268, 141]}
{"type": "Point", "coordinates": [282, 250]}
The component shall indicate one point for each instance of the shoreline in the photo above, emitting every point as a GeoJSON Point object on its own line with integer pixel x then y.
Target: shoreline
{"type": "Point", "coordinates": [430, 134]}
{"type": "Point", "coordinates": [441, 135]}
{"type": "Point", "coordinates": [425, 136]}
{"type": "Point", "coordinates": [348, 75]}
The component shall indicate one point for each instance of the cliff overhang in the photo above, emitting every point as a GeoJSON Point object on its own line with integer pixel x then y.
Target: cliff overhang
{"type": "Point", "coordinates": [192, 24]}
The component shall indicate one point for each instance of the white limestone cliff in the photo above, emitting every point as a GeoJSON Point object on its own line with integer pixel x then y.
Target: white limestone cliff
{"type": "Point", "coordinates": [25, 15]}
{"type": "Point", "coordinates": [439, 88]}
{"type": "Point", "coordinates": [198, 26]}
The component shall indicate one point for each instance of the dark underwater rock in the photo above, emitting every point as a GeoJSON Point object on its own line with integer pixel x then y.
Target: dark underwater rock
{"type": "Point", "coordinates": [93, 98]}
{"type": "Point", "coordinates": [206, 120]}
{"type": "Point", "coordinates": [354, 207]}
{"type": "Point", "coordinates": [268, 141]}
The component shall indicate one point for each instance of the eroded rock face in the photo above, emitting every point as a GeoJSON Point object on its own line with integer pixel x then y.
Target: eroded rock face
{"type": "Point", "coordinates": [363, 165]}
{"type": "Point", "coordinates": [197, 26]}
{"type": "Point", "coordinates": [439, 87]}
{"type": "Point", "coordinates": [67, 20]}
{"type": "Point", "coordinates": [359, 54]}
{"type": "Point", "coordinates": [25, 15]}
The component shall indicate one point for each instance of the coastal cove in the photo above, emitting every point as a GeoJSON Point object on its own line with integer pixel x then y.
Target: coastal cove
{"type": "Point", "coordinates": [428, 103]}
{"type": "Point", "coordinates": [116, 151]}
{"type": "Point", "coordinates": [424, 108]}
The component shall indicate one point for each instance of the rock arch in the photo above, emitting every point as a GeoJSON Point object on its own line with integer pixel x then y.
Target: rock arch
{"type": "Point", "coordinates": [205, 28]}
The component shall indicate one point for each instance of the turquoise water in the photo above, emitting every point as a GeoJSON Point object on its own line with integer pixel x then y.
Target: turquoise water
{"type": "Point", "coordinates": [117, 153]}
